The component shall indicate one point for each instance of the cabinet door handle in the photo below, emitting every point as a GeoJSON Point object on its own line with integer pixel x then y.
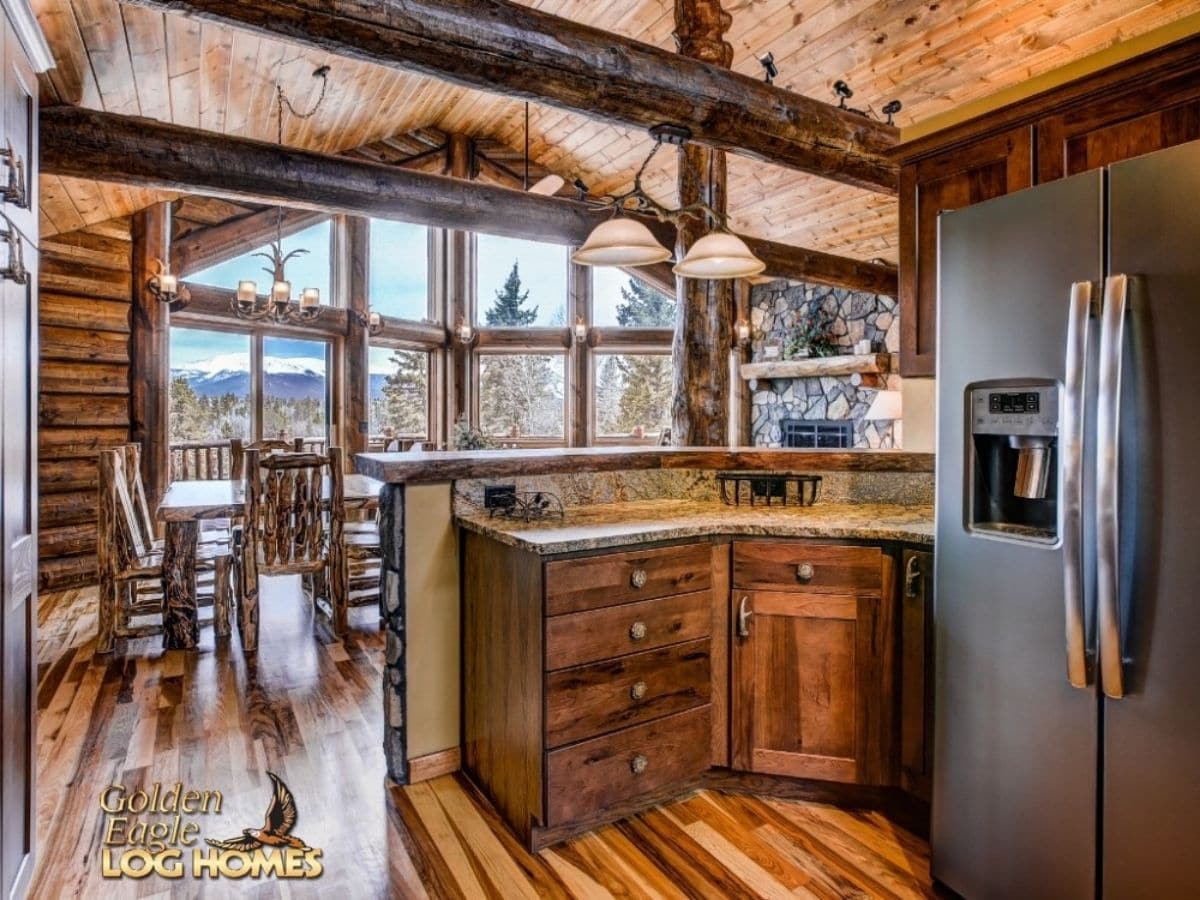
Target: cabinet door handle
{"type": "Point", "coordinates": [912, 574]}
{"type": "Point", "coordinates": [637, 631]}
{"type": "Point", "coordinates": [638, 691]}
{"type": "Point", "coordinates": [638, 578]}
{"type": "Point", "coordinates": [14, 192]}
{"type": "Point", "coordinates": [638, 764]}
{"type": "Point", "coordinates": [805, 572]}
{"type": "Point", "coordinates": [744, 614]}
{"type": "Point", "coordinates": [15, 271]}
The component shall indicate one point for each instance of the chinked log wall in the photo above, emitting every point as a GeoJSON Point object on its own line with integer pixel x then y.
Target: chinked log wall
{"type": "Point", "coordinates": [83, 402]}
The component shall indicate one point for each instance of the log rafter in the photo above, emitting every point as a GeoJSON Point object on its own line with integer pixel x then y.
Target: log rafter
{"type": "Point", "coordinates": [129, 150]}
{"type": "Point", "coordinates": [499, 46]}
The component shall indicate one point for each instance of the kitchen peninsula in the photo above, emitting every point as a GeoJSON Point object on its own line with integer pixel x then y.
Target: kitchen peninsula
{"type": "Point", "coordinates": [651, 636]}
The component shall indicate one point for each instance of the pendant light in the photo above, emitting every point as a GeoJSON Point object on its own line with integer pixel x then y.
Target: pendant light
{"type": "Point", "coordinates": [623, 241]}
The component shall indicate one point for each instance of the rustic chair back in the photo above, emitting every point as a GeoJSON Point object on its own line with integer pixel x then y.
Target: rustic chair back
{"type": "Point", "coordinates": [120, 540]}
{"type": "Point", "coordinates": [285, 495]}
{"type": "Point", "coordinates": [132, 458]}
{"type": "Point", "coordinates": [238, 449]}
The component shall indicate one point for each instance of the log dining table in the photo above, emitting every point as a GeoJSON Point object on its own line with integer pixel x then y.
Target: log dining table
{"type": "Point", "coordinates": [188, 503]}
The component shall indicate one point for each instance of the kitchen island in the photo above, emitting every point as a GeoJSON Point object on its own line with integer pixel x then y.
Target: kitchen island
{"type": "Point", "coordinates": [632, 501]}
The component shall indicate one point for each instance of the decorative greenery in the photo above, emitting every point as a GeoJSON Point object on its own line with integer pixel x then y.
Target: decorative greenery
{"type": "Point", "coordinates": [813, 335]}
{"type": "Point", "coordinates": [468, 438]}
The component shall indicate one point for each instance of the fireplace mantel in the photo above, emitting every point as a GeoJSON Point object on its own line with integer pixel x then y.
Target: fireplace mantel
{"type": "Point", "coordinates": [820, 367]}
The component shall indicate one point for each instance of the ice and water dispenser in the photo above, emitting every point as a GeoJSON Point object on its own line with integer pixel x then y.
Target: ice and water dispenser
{"type": "Point", "coordinates": [1014, 461]}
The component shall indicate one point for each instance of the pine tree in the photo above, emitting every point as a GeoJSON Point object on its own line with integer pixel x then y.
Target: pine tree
{"type": "Point", "coordinates": [508, 307]}
{"type": "Point", "coordinates": [187, 412]}
{"type": "Point", "coordinates": [643, 306]}
{"type": "Point", "coordinates": [405, 393]}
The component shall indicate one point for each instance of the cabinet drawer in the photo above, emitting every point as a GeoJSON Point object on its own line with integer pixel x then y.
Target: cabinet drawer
{"type": "Point", "coordinates": [585, 637]}
{"type": "Point", "coordinates": [573, 585]}
{"type": "Point", "coordinates": [590, 700]}
{"type": "Point", "coordinates": [814, 568]}
{"type": "Point", "coordinates": [586, 778]}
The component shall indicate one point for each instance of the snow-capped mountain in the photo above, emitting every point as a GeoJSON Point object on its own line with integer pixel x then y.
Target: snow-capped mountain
{"type": "Point", "coordinates": [295, 378]}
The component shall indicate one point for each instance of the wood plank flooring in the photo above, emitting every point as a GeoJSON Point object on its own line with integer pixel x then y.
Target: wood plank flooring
{"type": "Point", "coordinates": [309, 709]}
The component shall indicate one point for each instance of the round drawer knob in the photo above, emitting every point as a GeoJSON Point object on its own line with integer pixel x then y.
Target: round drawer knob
{"type": "Point", "coordinates": [638, 578]}
{"type": "Point", "coordinates": [638, 691]}
{"type": "Point", "coordinates": [637, 631]}
{"type": "Point", "coordinates": [638, 764]}
{"type": "Point", "coordinates": [804, 573]}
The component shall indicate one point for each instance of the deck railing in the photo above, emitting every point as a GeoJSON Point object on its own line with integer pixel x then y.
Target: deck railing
{"type": "Point", "coordinates": [212, 460]}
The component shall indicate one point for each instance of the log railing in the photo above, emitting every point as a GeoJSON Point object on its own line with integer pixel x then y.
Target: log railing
{"type": "Point", "coordinates": [212, 460]}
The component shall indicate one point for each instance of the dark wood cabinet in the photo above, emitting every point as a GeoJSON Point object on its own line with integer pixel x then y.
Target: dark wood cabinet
{"type": "Point", "coordinates": [916, 673]}
{"type": "Point", "coordinates": [812, 661]}
{"type": "Point", "coordinates": [1127, 110]}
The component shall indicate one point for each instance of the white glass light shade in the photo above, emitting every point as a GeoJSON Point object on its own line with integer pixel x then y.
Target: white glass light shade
{"type": "Point", "coordinates": [281, 291]}
{"type": "Point", "coordinates": [247, 291]}
{"type": "Point", "coordinates": [310, 297]}
{"type": "Point", "coordinates": [719, 255]}
{"type": "Point", "coordinates": [620, 241]}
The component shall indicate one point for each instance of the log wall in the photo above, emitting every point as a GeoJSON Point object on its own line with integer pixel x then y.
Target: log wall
{"type": "Point", "coordinates": [83, 404]}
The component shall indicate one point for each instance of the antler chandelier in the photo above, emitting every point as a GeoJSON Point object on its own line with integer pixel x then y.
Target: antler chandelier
{"type": "Point", "coordinates": [624, 241]}
{"type": "Point", "coordinates": [279, 307]}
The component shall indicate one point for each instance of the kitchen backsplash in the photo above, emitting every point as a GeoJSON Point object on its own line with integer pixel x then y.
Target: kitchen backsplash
{"type": "Point", "coordinates": [777, 309]}
{"type": "Point", "coordinates": [592, 488]}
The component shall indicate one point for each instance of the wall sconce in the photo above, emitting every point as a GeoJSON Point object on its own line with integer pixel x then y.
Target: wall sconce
{"type": "Point", "coordinates": [463, 331]}
{"type": "Point", "coordinates": [741, 332]}
{"type": "Point", "coordinates": [165, 287]}
{"type": "Point", "coordinates": [371, 321]}
{"type": "Point", "coordinates": [580, 330]}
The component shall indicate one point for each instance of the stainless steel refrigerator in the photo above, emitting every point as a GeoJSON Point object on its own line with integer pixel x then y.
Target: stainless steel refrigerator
{"type": "Point", "coordinates": [1067, 572]}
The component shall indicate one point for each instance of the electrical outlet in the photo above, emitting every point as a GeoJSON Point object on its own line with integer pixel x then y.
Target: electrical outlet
{"type": "Point", "coordinates": [499, 496]}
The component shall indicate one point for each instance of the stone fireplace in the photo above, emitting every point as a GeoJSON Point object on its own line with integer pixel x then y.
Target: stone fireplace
{"type": "Point", "coordinates": [796, 411]}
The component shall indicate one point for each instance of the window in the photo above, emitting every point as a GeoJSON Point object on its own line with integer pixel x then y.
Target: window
{"type": "Point", "coordinates": [399, 395]}
{"type": "Point", "coordinates": [210, 385]}
{"type": "Point", "coordinates": [521, 395]}
{"type": "Point", "coordinates": [619, 299]}
{"type": "Point", "coordinates": [633, 395]}
{"type": "Point", "coordinates": [216, 387]}
{"type": "Point", "coordinates": [520, 283]}
{"type": "Point", "coordinates": [310, 269]}
{"type": "Point", "coordinates": [399, 270]}
{"type": "Point", "coordinates": [295, 389]}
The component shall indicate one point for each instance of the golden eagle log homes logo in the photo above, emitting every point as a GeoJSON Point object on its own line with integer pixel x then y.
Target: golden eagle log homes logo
{"type": "Point", "coordinates": [155, 833]}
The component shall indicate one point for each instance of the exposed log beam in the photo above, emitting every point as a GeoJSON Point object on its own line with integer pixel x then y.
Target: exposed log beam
{"type": "Point", "coordinates": [127, 150]}
{"type": "Point", "coordinates": [503, 47]}
{"type": "Point", "coordinates": [208, 246]}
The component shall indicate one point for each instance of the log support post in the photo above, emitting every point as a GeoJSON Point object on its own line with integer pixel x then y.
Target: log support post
{"type": "Point", "coordinates": [459, 283]}
{"type": "Point", "coordinates": [356, 421]}
{"type": "Point", "coordinates": [149, 350]}
{"type": "Point", "coordinates": [704, 311]}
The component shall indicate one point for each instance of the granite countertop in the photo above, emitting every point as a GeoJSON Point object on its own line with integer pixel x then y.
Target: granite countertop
{"type": "Point", "coordinates": [622, 524]}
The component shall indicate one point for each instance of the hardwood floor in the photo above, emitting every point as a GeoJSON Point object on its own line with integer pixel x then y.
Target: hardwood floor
{"type": "Point", "coordinates": [309, 709]}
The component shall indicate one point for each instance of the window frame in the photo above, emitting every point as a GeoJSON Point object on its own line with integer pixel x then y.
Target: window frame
{"type": "Point", "coordinates": [596, 356]}
{"type": "Point", "coordinates": [532, 440]}
{"type": "Point", "coordinates": [434, 313]}
{"type": "Point", "coordinates": [432, 382]}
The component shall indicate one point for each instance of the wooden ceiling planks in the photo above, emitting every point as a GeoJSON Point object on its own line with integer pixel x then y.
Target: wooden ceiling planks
{"type": "Point", "coordinates": [931, 55]}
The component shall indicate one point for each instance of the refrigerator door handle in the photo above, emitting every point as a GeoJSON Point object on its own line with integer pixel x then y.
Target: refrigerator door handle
{"type": "Point", "coordinates": [1108, 425]}
{"type": "Point", "coordinates": [1078, 668]}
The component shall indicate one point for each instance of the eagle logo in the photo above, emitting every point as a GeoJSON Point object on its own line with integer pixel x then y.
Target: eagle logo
{"type": "Point", "coordinates": [277, 826]}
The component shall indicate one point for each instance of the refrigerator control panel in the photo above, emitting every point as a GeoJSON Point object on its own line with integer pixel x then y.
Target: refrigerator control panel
{"type": "Point", "coordinates": [1017, 410]}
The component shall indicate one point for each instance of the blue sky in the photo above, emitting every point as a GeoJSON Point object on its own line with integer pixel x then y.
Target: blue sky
{"type": "Point", "coordinates": [190, 346]}
{"type": "Point", "coordinates": [399, 269]}
{"type": "Point", "coordinates": [543, 270]}
{"type": "Point", "coordinates": [307, 270]}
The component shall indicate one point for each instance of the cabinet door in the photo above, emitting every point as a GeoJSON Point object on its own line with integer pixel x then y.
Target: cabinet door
{"type": "Point", "coordinates": [18, 334]}
{"type": "Point", "coordinates": [916, 673]}
{"type": "Point", "coordinates": [19, 138]}
{"type": "Point", "coordinates": [809, 688]}
{"type": "Point", "coordinates": [1131, 123]}
{"type": "Point", "coordinates": [950, 180]}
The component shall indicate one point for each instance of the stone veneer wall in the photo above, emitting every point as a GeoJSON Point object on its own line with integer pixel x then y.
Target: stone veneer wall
{"type": "Point", "coordinates": [776, 309]}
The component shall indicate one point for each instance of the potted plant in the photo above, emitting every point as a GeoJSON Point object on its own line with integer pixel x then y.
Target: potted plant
{"type": "Point", "coordinates": [811, 338]}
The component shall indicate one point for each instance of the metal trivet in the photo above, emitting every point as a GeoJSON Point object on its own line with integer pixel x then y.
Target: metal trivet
{"type": "Point", "coordinates": [529, 506]}
{"type": "Point", "coordinates": [775, 488]}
